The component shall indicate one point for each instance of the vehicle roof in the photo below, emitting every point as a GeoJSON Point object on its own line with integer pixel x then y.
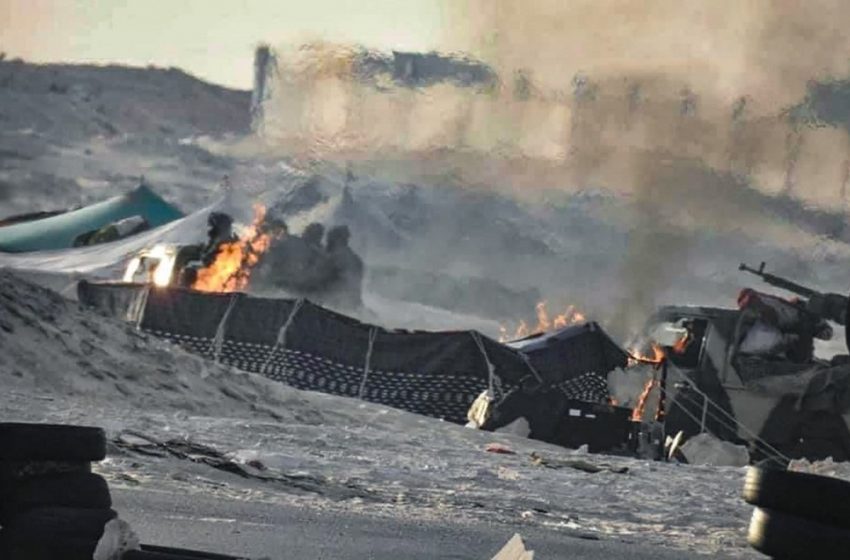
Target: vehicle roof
{"type": "Point", "coordinates": [695, 311]}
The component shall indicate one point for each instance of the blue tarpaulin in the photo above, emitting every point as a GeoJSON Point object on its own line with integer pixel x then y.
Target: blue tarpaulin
{"type": "Point", "coordinates": [59, 232]}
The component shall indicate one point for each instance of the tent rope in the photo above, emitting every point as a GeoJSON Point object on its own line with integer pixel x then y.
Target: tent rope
{"type": "Point", "coordinates": [373, 333]}
{"type": "Point", "coordinates": [768, 449]}
{"type": "Point", "coordinates": [139, 306]}
{"type": "Point", "coordinates": [531, 367]}
{"type": "Point", "coordinates": [218, 340]}
{"type": "Point", "coordinates": [280, 342]}
{"type": "Point", "coordinates": [730, 421]}
{"type": "Point", "coordinates": [494, 383]}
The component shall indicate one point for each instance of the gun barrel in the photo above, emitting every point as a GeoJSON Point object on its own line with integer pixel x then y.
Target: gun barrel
{"type": "Point", "coordinates": [786, 284]}
{"type": "Point", "coordinates": [778, 281]}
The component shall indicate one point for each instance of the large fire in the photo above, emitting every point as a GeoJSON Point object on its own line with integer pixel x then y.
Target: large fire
{"type": "Point", "coordinates": [234, 261]}
{"type": "Point", "coordinates": [545, 323]}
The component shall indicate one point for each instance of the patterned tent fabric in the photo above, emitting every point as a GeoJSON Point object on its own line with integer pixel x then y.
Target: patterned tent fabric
{"type": "Point", "coordinates": [301, 344]}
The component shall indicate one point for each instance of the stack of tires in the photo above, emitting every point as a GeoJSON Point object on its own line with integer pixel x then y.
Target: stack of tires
{"type": "Point", "coordinates": [51, 505]}
{"type": "Point", "coordinates": [798, 515]}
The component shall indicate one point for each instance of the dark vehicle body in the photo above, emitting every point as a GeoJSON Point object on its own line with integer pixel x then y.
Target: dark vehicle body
{"type": "Point", "coordinates": [779, 408]}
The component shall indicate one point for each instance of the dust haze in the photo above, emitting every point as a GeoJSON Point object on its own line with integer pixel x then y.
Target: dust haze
{"type": "Point", "coordinates": [681, 108]}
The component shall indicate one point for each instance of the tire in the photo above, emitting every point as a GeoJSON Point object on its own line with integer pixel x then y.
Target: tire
{"type": "Point", "coordinates": [819, 498]}
{"type": "Point", "coordinates": [83, 491]}
{"type": "Point", "coordinates": [51, 442]}
{"type": "Point", "coordinates": [57, 525]}
{"type": "Point", "coordinates": [54, 534]}
{"type": "Point", "coordinates": [186, 553]}
{"type": "Point", "coordinates": [14, 471]}
{"type": "Point", "coordinates": [790, 537]}
{"type": "Point", "coordinates": [151, 552]}
{"type": "Point", "coordinates": [149, 555]}
{"type": "Point", "coordinates": [10, 549]}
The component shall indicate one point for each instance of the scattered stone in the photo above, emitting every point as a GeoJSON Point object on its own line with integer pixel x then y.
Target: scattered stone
{"type": "Point", "coordinates": [705, 449]}
{"type": "Point", "coordinates": [499, 448]}
{"type": "Point", "coordinates": [578, 464]}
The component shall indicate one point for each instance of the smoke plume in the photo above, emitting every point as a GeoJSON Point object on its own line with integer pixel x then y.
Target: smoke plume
{"type": "Point", "coordinates": [682, 106]}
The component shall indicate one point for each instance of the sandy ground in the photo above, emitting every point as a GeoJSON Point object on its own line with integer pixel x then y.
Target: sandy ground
{"type": "Point", "coordinates": [58, 363]}
{"type": "Point", "coordinates": [72, 135]}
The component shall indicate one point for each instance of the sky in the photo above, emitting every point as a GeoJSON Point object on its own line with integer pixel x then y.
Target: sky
{"type": "Point", "coordinates": [212, 39]}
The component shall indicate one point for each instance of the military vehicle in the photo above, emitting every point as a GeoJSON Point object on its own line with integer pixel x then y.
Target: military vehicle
{"type": "Point", "coordinates": [776, 397]}
{"type": "Point", "coordinates": [746, 374]}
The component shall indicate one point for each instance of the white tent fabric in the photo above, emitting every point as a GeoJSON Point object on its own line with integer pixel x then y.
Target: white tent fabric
{"type": "Point", "coordinates": [109, 259]}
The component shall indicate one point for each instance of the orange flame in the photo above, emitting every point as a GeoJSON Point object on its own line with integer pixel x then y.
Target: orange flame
{"type": "Point", "coordinates": [544, 322]}
{"type": "Point", "coordinates": [638, 357]}
{"type": "Point", "coordinates": [637, 411]}
{"type": "Point", "coordinates": [232, 266]}
{"type": "Point", "coordinates": [681, 345]}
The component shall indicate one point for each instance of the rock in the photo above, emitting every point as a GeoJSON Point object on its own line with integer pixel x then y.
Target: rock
{"type": "Point", "coordinates": [705, 449]}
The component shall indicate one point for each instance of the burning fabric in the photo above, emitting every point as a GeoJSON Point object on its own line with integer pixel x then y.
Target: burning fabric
{"type": "Point", "coordinates": [266, 257]}
{"type": "Point", "coordinates": [231, 259]}
{"type": "Point", "coordinates": [544, 324]}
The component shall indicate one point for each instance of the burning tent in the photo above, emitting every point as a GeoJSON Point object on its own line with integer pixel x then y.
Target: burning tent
{"type": "Point", "coordinates": [570, 406]}
{"type": "Point", "coordinates": [575, 358]}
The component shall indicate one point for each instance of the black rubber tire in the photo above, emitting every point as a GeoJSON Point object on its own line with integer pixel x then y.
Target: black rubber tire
{"type": "Point", "coordinates": [151, 552]}
{"type": "Point", "coordinates": [74, 490]}
{"type": "Point", "coordinates": [14, 471]}
{"type": "Point", "coordinates": [49, 525]}
{"type": "Point", "coordinates": [786, 536]}
{"type": "Point", "coordinates": [149, 555]}
{"type": "Point", "coordinates": [186, 553]}
{"type": "Point", "coordinates": [51, 442]}
{"type": "Point", "coordinates": [10, 549]}
{"type": "Point", "coordinates": [819, 498]}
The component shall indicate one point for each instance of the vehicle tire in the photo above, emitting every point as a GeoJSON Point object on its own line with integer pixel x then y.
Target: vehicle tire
{"type": "Point", "coordinates": [83, 490]}
{"type": "Point", "coordinates": [183, 552]}
{"type": "Point", "coordinates": [51, 442]}
{"type": "Point", "coordinates": [60, 524]}
{"type": "Point", "coordinates": [14, 549]}
{"type": "Point", "coordinates": [151, 552]}
{"type": "Point", "coordinates": [14, 471]}
{"type": "Point", "coordinates": [149, 555]}
{"type": "Point", "coordinates": [54, 534]}
{"type": "Point", "coordinates": [786, 536]}
{"type": "Point", "coordinates": [820, 498]}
